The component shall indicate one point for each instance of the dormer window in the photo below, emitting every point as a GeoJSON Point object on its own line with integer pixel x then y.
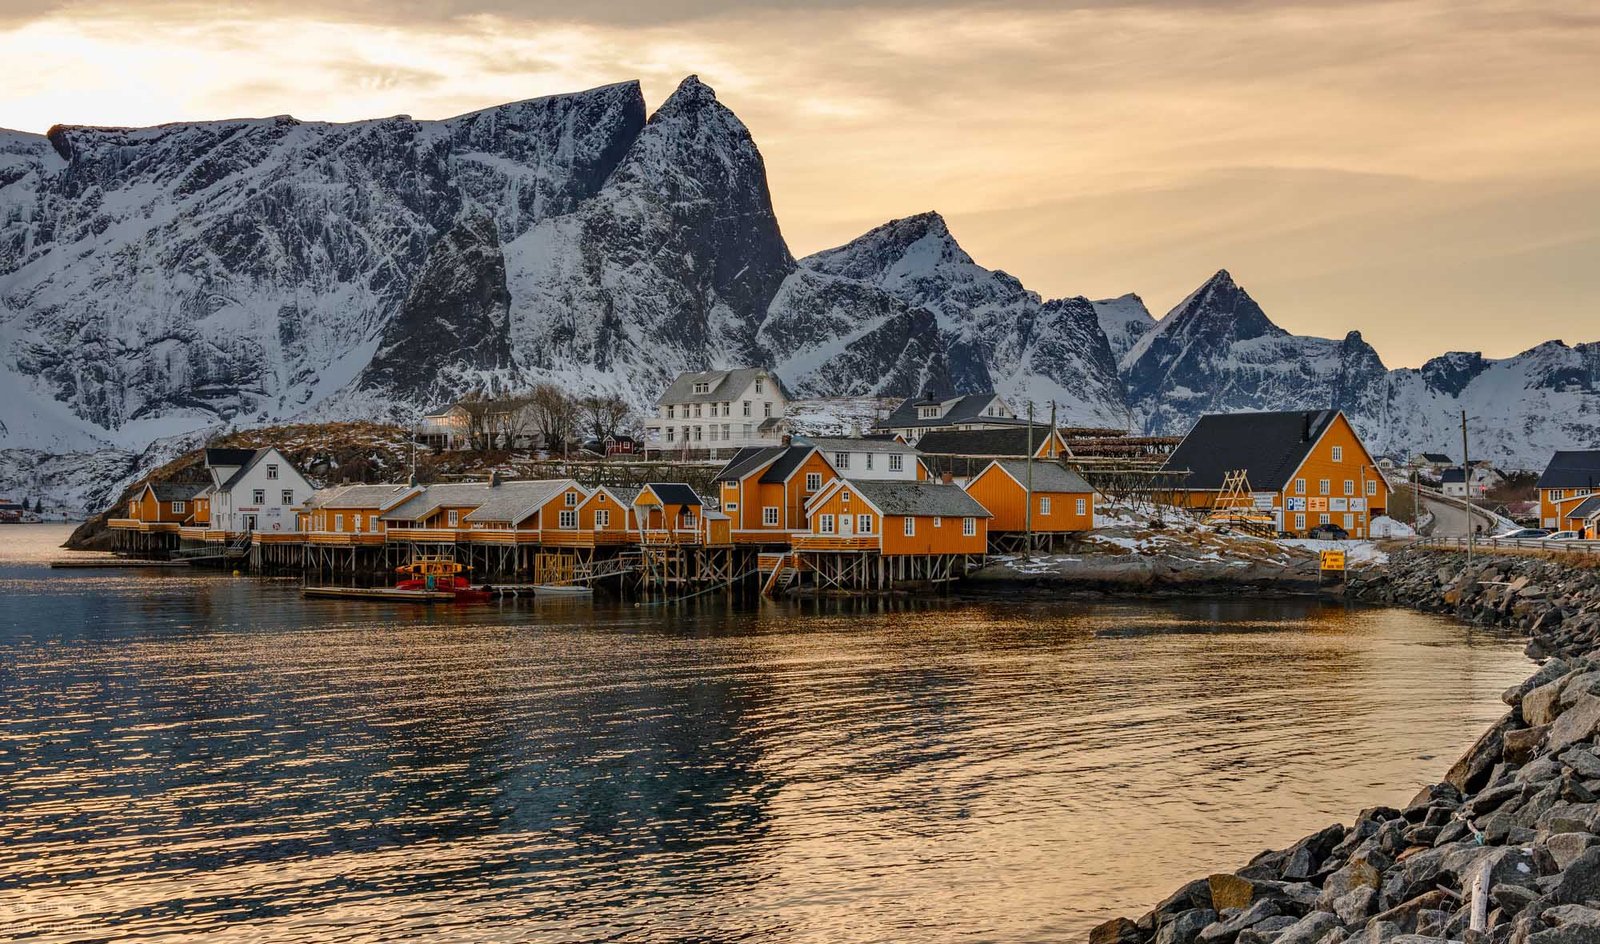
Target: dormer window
{"type": "Point", "coordinates": [928, 412]}
{"type": "Point", "coordinates": [702, 387]}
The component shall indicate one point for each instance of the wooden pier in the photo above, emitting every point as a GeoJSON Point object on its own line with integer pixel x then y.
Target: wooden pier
{"type": "Point", "coordinates": [99, 563]}
{"type": "Point", "coordinates": [380, 593]}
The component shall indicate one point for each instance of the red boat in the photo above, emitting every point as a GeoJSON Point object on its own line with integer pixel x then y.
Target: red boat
{"type": "Point", "coordinates": [440, 575]}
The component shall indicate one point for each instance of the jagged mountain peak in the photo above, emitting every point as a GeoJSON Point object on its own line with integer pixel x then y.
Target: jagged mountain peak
{"type": "Point", "coordinates": [895, 253]}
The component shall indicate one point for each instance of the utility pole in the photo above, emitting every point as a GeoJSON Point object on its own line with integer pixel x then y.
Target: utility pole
{"type": "Point", "coordinates": [1466, 477]}
{"type": "Point", "coordinates": [1027, 547]}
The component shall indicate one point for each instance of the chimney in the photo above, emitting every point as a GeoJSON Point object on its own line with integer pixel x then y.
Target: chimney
{"type": "Point", "coordinates": [947, 478]}
{"type": "Point", "coordinates": [412, 481]}
{"type": "Point", "coordinates": [1305, 431]}
{"type": "Point", "coordinates": [494, 478]}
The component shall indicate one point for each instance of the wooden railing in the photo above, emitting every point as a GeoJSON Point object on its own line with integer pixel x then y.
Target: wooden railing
{"type": "Point", "coordinates": [835, 542]}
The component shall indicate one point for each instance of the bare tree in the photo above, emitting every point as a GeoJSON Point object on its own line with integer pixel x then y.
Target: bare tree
{"type": "Point", "coordinates": [604, 414]}
{"type": "Point", "coordinates": [555, 414]}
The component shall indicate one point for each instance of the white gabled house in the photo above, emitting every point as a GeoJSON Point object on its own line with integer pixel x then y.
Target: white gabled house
{"type": "Point", "coordinates": [254, 490]}
{"type": "Point", "coordinates": [719, 411]}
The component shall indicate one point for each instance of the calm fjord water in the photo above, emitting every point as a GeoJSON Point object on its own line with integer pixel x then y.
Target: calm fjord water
{"type": "Point", "coordinates": [189, 758]}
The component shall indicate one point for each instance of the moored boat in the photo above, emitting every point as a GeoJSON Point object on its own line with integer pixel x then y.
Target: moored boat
{"type": "Point", "coordinates": [440, 575]}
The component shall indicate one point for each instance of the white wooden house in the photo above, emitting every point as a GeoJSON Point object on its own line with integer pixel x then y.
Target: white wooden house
{"type": "Point", "coordinates": [719, 411]}
{"type": "Point", "coordinates": [255, 490]}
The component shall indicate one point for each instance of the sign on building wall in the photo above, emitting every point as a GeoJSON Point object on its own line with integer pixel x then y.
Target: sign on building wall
{"type": "Point", "coordinates": [1297, 504]}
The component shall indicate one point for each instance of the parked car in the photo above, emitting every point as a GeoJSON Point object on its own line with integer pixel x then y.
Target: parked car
{"type": "Point", "coordinates": [1328, 532]}
{"type": "Point", "coordinates": [1522, 534]}
{"type": "Point", "coordinates": [1565, 536]}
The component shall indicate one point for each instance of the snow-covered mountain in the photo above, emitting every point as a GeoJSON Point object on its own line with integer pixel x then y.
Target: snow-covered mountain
{"type": "Point", "coordinates": [158, 282]}
{"type": "Point", "coordinates": [1217, 351]}
{"type": "Point", "coordinates": [993, 333]}
{"type": "Point", "coordinates": [1125, 320]}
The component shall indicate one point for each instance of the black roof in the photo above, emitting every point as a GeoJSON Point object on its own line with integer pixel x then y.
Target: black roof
{"type": "Point", "coordinates": [1436, 457]}
{"type": "Point", "coordinates": [793, 457]}
{"type": "Point", "coordinates": [747, 460]}
{"type": "Point", "coordinates": [674, 493]}
{"type": "Point", "coordinates": [1268, 446]}
{"type": "Point", "coordinates": [226, 457]}
{"type": "Point", "coordinates": [1572, 468]}
{"type": "Point", "coordinates": [1453, 475]}
{"type": "Point", "coordinates": [1011, 441]}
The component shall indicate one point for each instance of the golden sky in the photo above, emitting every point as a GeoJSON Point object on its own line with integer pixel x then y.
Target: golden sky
{"type": "Point", "coordinates": [1423, 171]}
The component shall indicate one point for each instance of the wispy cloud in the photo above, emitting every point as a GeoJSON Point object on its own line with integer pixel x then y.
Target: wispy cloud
{"type": "Point", "coordinates": [1415, 169]}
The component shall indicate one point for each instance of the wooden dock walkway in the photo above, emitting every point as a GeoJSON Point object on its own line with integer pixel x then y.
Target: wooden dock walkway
{"type": "Point", "coordinates": [87, 563]}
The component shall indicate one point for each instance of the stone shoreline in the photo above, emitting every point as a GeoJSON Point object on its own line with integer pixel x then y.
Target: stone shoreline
{"type": "Point", "coordinates": [1518, 816]}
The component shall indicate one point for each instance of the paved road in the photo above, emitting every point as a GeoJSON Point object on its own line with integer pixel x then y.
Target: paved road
{"type": "Point", "coordinates": [1450, 519]}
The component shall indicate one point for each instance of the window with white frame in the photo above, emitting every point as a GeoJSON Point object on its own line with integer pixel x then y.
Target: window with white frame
{"type": "Point", "coordinates": [869, 462]}
{"type": "Point", "coordinates": [258, 496]}
{"type": "Point", "coordinates": [670, 432]}
{"type": "Point", "coordinates": [702, 387]}
{"type": "Point", "coordinates": [698, 433]}
{"type": "Point", "coordinates": [1299, 521]}
{"type": "Point", "coordinates": [727, 431]}
{"type": "Point", "coordinates": [1372, 487]}
{"type": "Point", "coordinates": [571, 499]}
{"type": "Point", "coordinates": [897, 462]}
{"type": "Point", "coordinates": [454, 517]}
{"type": "Point", "coordinates": [825, 524]}
{"type": "Point", "coordinates": [1349, 522]}
{"type": "Point", "coordinates": [179, 507]}
{"type": "Point", "coordinates": [813, 481]}
{"type": "Point", "coordinates": [689, 521]}
{"type": "Point", "coordinates": [938, 522]}
{"type": "Point", "coordinates": [602, 518]}
{"type": "Point", "coordinates": [1299, 486]}
{"type": "Point", "coordinates": [747, 408]}
{"type": "Point", "coordinates": [1324, 519]}
{"type": "Point", "coordinates": [672, 411]}
{"type": "Point", "coordinates": [760, 385]}
{"type": "Point", "coordinates": [766, 409]}
{"type": "Point", "coordinates": [338, 522]}
{"type": "Point", "coordinates": [841, 461]}
{"type": "Point", "coordinates": [928, 412]}
{"type": "Point", "coordinates": [1338, 453]}
{"type": "Point", "coordinates": [1044, 504]}
{"type": "Point", "coordinates": [567, 520]}
{"type": "Point", "coordinates": [969, 526]}
{"type": "Point", "coordinates": [864, 524]}
{"type": "Point", "coordinates": [769, 516]}
{"type": "Point", "coordinates": [287, 496]}
{"type": "Point", "coordinates": [1083, 506]}
{"type": "Point", "coordinates": [911, 526]}
{"type": "Point", "coordinates": [1325, 487]}
{"type": "Point", "coordinates": [272, 470]}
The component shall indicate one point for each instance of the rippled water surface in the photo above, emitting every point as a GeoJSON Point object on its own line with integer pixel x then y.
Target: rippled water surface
{"type": "Point", "coordinates": [193, 757]}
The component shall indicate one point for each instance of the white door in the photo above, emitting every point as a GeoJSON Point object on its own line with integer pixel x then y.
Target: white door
{"type": "Point", "coordinates": [845, 524]}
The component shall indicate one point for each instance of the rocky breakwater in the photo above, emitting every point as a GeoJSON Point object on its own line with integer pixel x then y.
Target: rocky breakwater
{"type": "Point", "coordinates": [1505, 850]}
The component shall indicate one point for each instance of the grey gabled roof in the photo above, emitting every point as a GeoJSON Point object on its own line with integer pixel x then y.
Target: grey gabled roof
{"type": "Point", "coordinates": [624, 494]}
{"type": "Point", "coordinates": [856, 444]}
{"type": "Point", "coordinates": [961, 409]}
{"type": "Point", "coordinates": [1587, 507]}
{"type": "Point", "coordinates": [515, 502]}
{"type": "Point", "coordinates": [674, 493]}
{"type": "Point", "coordinates": [176, 491]}
{"type": "Point", "coordinates": [918, 498]}
{"type": "Point", "coordinates": [725, 385]}
{"type": "Point", "coordinates": [747, 460]}
{"type": "Point", "coordinates": [434, 497]}
{"type": "Point", "coordinates": [1009, 441]}
{"type": "Point", "coordinates": [1268, 446]}
{"type": "Point", "coordinates": [1048, 475]}
{"type": "Point", "coordinates": [381, 497]}
{"type": "Point", "coordinates": [1572, 468]}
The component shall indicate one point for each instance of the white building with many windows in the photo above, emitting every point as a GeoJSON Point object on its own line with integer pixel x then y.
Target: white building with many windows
{"type": "Point", "coordinates": [254, 490]}
{"type": "Point", "coordinates": [719, 411]}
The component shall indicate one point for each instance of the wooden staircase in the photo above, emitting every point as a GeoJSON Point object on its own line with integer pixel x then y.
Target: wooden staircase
{"type": "Point", "coordinates": [781, 578]}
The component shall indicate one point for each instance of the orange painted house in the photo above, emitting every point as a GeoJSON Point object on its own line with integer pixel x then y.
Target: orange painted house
{"type": "Point", "coordinates": [895, 518]}
{"type": "Point", "coordinates": [165, 503]}
{"type": "Point", "coordinates": [1062, 500]}
{"type": "Point", "coordinates": [764, 491]}
{"type": "Point", "coordinates": [608, 515]}
{"type": "Point", "coordinates": [548, 507]}
{"type": "Point", "coordinates": [669, 513]}
{"type": "Point", "coordinates": [1305, 467]}
{"type": "Point", "coordinates": [356, 509]}
{"type": "Point", "coordinates": [1568, 481]}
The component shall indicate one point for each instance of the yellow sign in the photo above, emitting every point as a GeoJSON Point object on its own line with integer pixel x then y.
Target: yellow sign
{"type": "Point", "coordinates": [1333, 560]}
